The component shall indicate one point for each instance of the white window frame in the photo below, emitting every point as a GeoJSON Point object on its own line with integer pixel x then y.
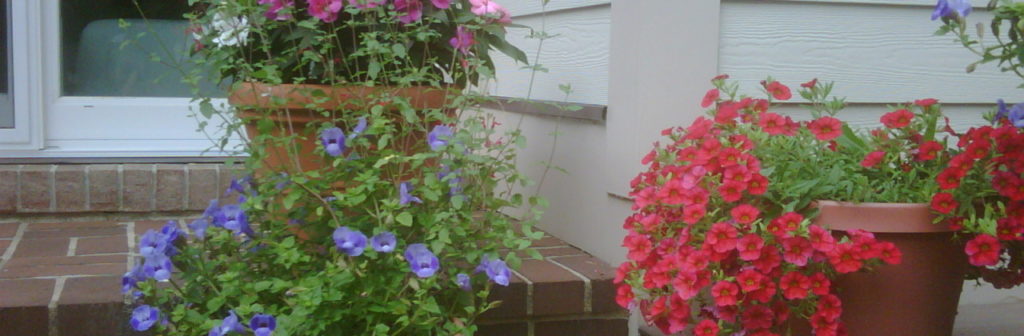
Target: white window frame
{"type": "Point", "coordinates": [82, 126]}
{"type": "Point", "coordinates": [27, 133]}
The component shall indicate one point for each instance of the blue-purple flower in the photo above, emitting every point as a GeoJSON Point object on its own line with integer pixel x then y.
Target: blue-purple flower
{"type": "Point", "coordinates": [262, 324]}
{"type": "Point", "coordinates": [238, 185]}
{"type": "Point", "coordinates": [1016, 115]}
{"type": "Point", "coordinates": [144, 317]}
{"type": "Point", "coordinates": [422, 262]}
{"type": "Point", "coordinates": [333, 140]}
{"type": "Point", "coordinates": [158, 267]}
{"type": "Point", "coordinates": [1001, 111]}
{"type": "Point", "coordinates": [348, 241]}
{"type": "Point", "coordinates": [462, 279]}
{"type": "Point", "coordinates": [229, 325]}
{"type": "Point", "coordinates": [212, 210]}
{"type": "Point", "coordinates": [232, 217]}
{"type": "Point", "coordinates": [153, 244]}
{"type": "Point", "coordinates": [405, 197]}
{"type": "Point", "coordinates": [198, 228]}
{"type": "Point", "coordinates": [951, 8]}
{"type": "Point", "coordinates": [496, 270]}
{"type": "Point", "coordinates": [359, 129]}
{"type": "Point", "coordinates": [131, 279]}
{"type": "Point", "coordinates": [383, 242]}
{"type": "Point", "coordinates": [439, 136]}
{"type": "Point", "coordinates": [454, 182]}
{"type": "Point", "coordinates": [171, 232]}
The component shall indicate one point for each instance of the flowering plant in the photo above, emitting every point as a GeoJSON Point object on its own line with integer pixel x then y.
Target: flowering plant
{"type": "Point", "coordinates": [397, 230]}
{"type": "Point", "coordinates": [721, 236]}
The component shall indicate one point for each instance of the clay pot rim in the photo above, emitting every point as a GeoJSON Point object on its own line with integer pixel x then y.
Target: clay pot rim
{"type": "Point", "coordinates": [257, 94]}
{"type": "Point", "coordinates": [884, 205]}
{"type": "Point", "coordinates": [883, 217]}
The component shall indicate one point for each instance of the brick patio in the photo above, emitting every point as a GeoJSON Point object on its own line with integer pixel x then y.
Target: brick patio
{"type": "Point", "coordinates": [62, 277]}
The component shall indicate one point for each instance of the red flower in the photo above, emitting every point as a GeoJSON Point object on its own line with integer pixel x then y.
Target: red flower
{"type": "Point", "coordinates": [983, 250]}
{"type": "Point", "coordinates": [721, 237]}
{"type": "Point", "coordinates": [693, 213]}
{"type": "Point", "coordinates": [872, 159]}
{"type": "Point", "coordinates": [929, 150]}
{"type": "Point", "coordinates": [750, 247]}
{"type": "Point", "coordinates": [897, 119]}
{"type": "Point", "coordinates": [757, 185]}
{"type": "Point", "coordinates": [845, 258]}
{"type": "Point", "coordinates": [820, 285]}
{"type": "Point", "coordinates": [757, 317]}
{"type": "Point", "coordinates": [925, 102]}
{"type": "Point", "coordinates": [624, 295]}
{"type": "Point", "coordinates": [709, 98]}
{"type": "Point", "coordinates": [944, 203]}
{"type": "Point", "coordinates": [745, 213]}
{"type": "Point", "coordinates": [797, 250]}
{"type": "Point", "coordinates": [720, 77]}
{"type": "Point", "coordinates": [672, 192]}
{"type": "Point", "coordinates": [727, 112]}
{"type": "Point", "coordinates": [725, 293]}
{"type": "Point", "coordinates": [750, 280]}
{"type": "Point", "coordinates": [830, 306]}
{"type": "Point", "coordinates": [706, 328]}
{"type": "Point", "coordinates": [810, 84]}
{"type": "Point", "coordinates": [889, 253]}
{"type": "Point", "coordinates": [794, 285]}
{"type": "Point", "coordinates": [774, 124]}
{"type": "Point", "coordinates": [768, 260]}
{"type": "Point", "coordinates": [949, 178]}
{"type": "Point", "coordinates": [826, 128]}
{"type": "Point", "coordinates": [639, 246]}
{"type": "Point", "coordinates": [731, 191]}
{"type": "Point", "coordinates": [688, 284]}
{"type": "Point", "coordinates": [821, 239]}
{"type": "Point", "coordinates": [778, 91]}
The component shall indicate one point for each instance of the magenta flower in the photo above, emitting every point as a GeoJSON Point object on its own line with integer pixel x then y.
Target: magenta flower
{"type": "Point", "coordinates": [441, 4]}
{"type": "Point", "coordinates": [349, 241]}
{"type": "Point", "coordinates": [422, 262]}
{"type": "Point", "coordinates": [333, 140]}
{"type": "Point", "coordinates": [490, 8]}
{"type": "Point", "coordinates": [404, 196]}
{"type": "Point", "coordinates": [262, 324]}
{"type": "Point", "coordinates": [412, 10]}
{"type": "Point", "coordinates": [325, 10]}
{"type": "Point", "coordinates": [275, 11]}
{"type": "Point", "coordinates": [383, 242]}
{"type": "Point", "coordinates": [463, 40]}
{"type": "Point", "coordinates": [144, 317]}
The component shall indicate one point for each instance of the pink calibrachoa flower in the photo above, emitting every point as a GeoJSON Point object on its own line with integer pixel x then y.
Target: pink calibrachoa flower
{"type": "Point", "coordinates": [872, 159]}
{"type": "Point", "coordinates": [726, 293]}
{"type": "Point", "coordinates": [750, 247]}
{"type": "Point", "coordinates": [709, 98]}
{"type": "Point", "coordinates": [826, 128]}
{"type": "Point", "coordinates": [983, 250]}
{"type": "Point", "coordinates": [794, 285]}
{"type": "Point", "coordinates": [722, 237]}
{"type": "Point", "coordinates": [325, 10]}
{"type": "Point", "coordinates": [441, 4]}
{"type": "Point", "coordinates": [778, 91]}
{"type": "Point", "coordinates": [463, 39]}
{"type": "Point", "coordinates": [276, 6]}
{"type": "Point", "coordinates": [897, 119]}
{"type": "Point", "coordinates": [410, 10]}
{"type": "Point", "coordinates": [745, 213]}
{"type": "Point", "coordinates": [490, 8]}
{"type": "Point", "coordinates": [706, 328]}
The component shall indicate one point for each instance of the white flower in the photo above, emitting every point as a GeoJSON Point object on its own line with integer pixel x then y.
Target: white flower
{"type": "Point", "coordinates": [229, 31]}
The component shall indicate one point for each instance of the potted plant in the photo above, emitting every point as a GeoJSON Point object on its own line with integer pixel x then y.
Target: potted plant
{"type": "Point", "coordinates": [397, 227]}
{"type": "Point", "coordinates": [737, 228]}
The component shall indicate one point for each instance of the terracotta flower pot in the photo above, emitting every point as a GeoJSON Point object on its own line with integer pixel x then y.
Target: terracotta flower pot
{"type": "Point", "coordinates": [291, 115]}
{"type": "Point", "coordinates": [917, 297]}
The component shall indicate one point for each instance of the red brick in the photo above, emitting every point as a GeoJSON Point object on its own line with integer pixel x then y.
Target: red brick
{"type": "Point", "coordinates": [8, 188]}
{"type": "Point", "coordinates": [602, 327]}
{"type": "Point", "coordinates": [44, 247]}
{"type": "Point", "coordinates": [104, 188]}
{"type": "Point", "coordinates": [70, 191]}
{"type": "Point", "coordinates": [23, 306]}
{"type": "Point", "coordinates": [73, 229]}
{"type": "Point", "coordinates": [98, 245]}
{"type": "Point", "coordinates": [504, 329]}
{"type": "Point", "coordinates": [556, 291]}
{"type": "Point", "coordinates": [35, 188]}
{"type": "Point", "coordinates": [202, 185]}
{"type": "Point", "coordinates": [138, 187]}
{"type": "Point", "coordinates": [57, 266]}
{"type": "Point", "coordinates": [549, 241]}
{"type": "Point", "coordinates": [91, 306]}
{"type": "Point", "coordinates": [4, 243]}
{"type": "Point", "coordinates": [560, 251]}
{"type": "Point", "coordinates": [228, 173]}
{"type": "Point", "coordinates": [601, 275]}
{"type": "Point", "coordinates": [170, 187]}
{"type": "Point", "coordinates": [513, 300]}
{"type": "Point", "coordinates": [41, 226]}
{"type": "Point", "coordinates": [91, 290]}
{"type": "Point", "coordinates": [8, 230]}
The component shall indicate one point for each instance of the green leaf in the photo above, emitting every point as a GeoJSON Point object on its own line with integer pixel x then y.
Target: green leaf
{"type": "Point", "coordinates": [508, 49]}
{"type": "Point", "coordinates": [215, 303]}
{"type": "Point", "coordinates": [404, 218]}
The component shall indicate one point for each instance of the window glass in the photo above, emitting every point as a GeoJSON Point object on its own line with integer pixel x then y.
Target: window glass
{"type": "Point", "coordinates": [6, 98]}
{"type": "Point", "coordinates": [120, 49]}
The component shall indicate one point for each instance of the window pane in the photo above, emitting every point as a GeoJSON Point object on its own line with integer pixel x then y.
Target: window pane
{"type": "Point", "coordinates": [6, 98]}
{"type": "Point", "coordinates": [103, 57]}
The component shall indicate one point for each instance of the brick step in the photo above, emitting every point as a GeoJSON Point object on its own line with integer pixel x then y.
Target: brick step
{"type": "Point", "coordinates": [65, 279]}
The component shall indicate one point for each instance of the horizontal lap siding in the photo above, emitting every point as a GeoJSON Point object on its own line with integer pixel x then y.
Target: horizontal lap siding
{"type": "Point", "coordinates": [876, 53]}
{"type": "Point", "coordinates": [578, 55]}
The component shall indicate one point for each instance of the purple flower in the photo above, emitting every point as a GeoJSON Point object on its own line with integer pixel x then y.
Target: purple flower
{"type": "Point", "coordinates": [198, 228]}
{"type": "Point", "coordinates": [360, 127]}
{"type": "Point", "coordinates": [144, 317]}
{"type": "Point", "coordinates": [439, 136]}
{"type": "Point", "coordinates": [463, 39]}
{"type": "Point", "coordinates": [333, 140]}
{"type": "Point", "coordinates": [153, 244]}
{"type": "Point", "coordinates": [159, 268]}
{"type": "Point", "coordinates": [131, 279]}
{"type": "Point", "coordinates": [229, 325]}
{"type": "Point", "coordinates": [951, 9]}
{"type": "Point", "coordinates": [364, 4]}
{"type": "Point", "coordinates": [232, 217]}
{"type": "Point", "coordinates": [1016, 115]}
{"type": "Point", "coordinates": [411, 10]}
{"type": "Point", "coordinates": [274, 12]}
{"type": "Point", "coordinates": [496, 270]}
{"type": "Point", "coordinates": [212, 210]}
{"type": "Point", "coordinates": [349, 241]}
{"type": "Point", "coordinates": [462, 279]}
{"type": "Point", "coordinates": [325, 10]}
{"type": "Point", "coordinates": [1002, 111]}
{"type": "Point", "coordinates": [454, 182]}
{"type": "Point", "coordinates": [422, 262]}
{"type": "Point", "coordinates": [262, 324]}
{"type": "Point", "coordinates": [441, 4]}
{"type": "Point", "coordinates": [238, 185]}
{"type": "Point", "coordinates": [171, 232]}
{"type": "Point", "coordinates": [383, 242]}
{"type": "Point", "coordinates": [403, 193]}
